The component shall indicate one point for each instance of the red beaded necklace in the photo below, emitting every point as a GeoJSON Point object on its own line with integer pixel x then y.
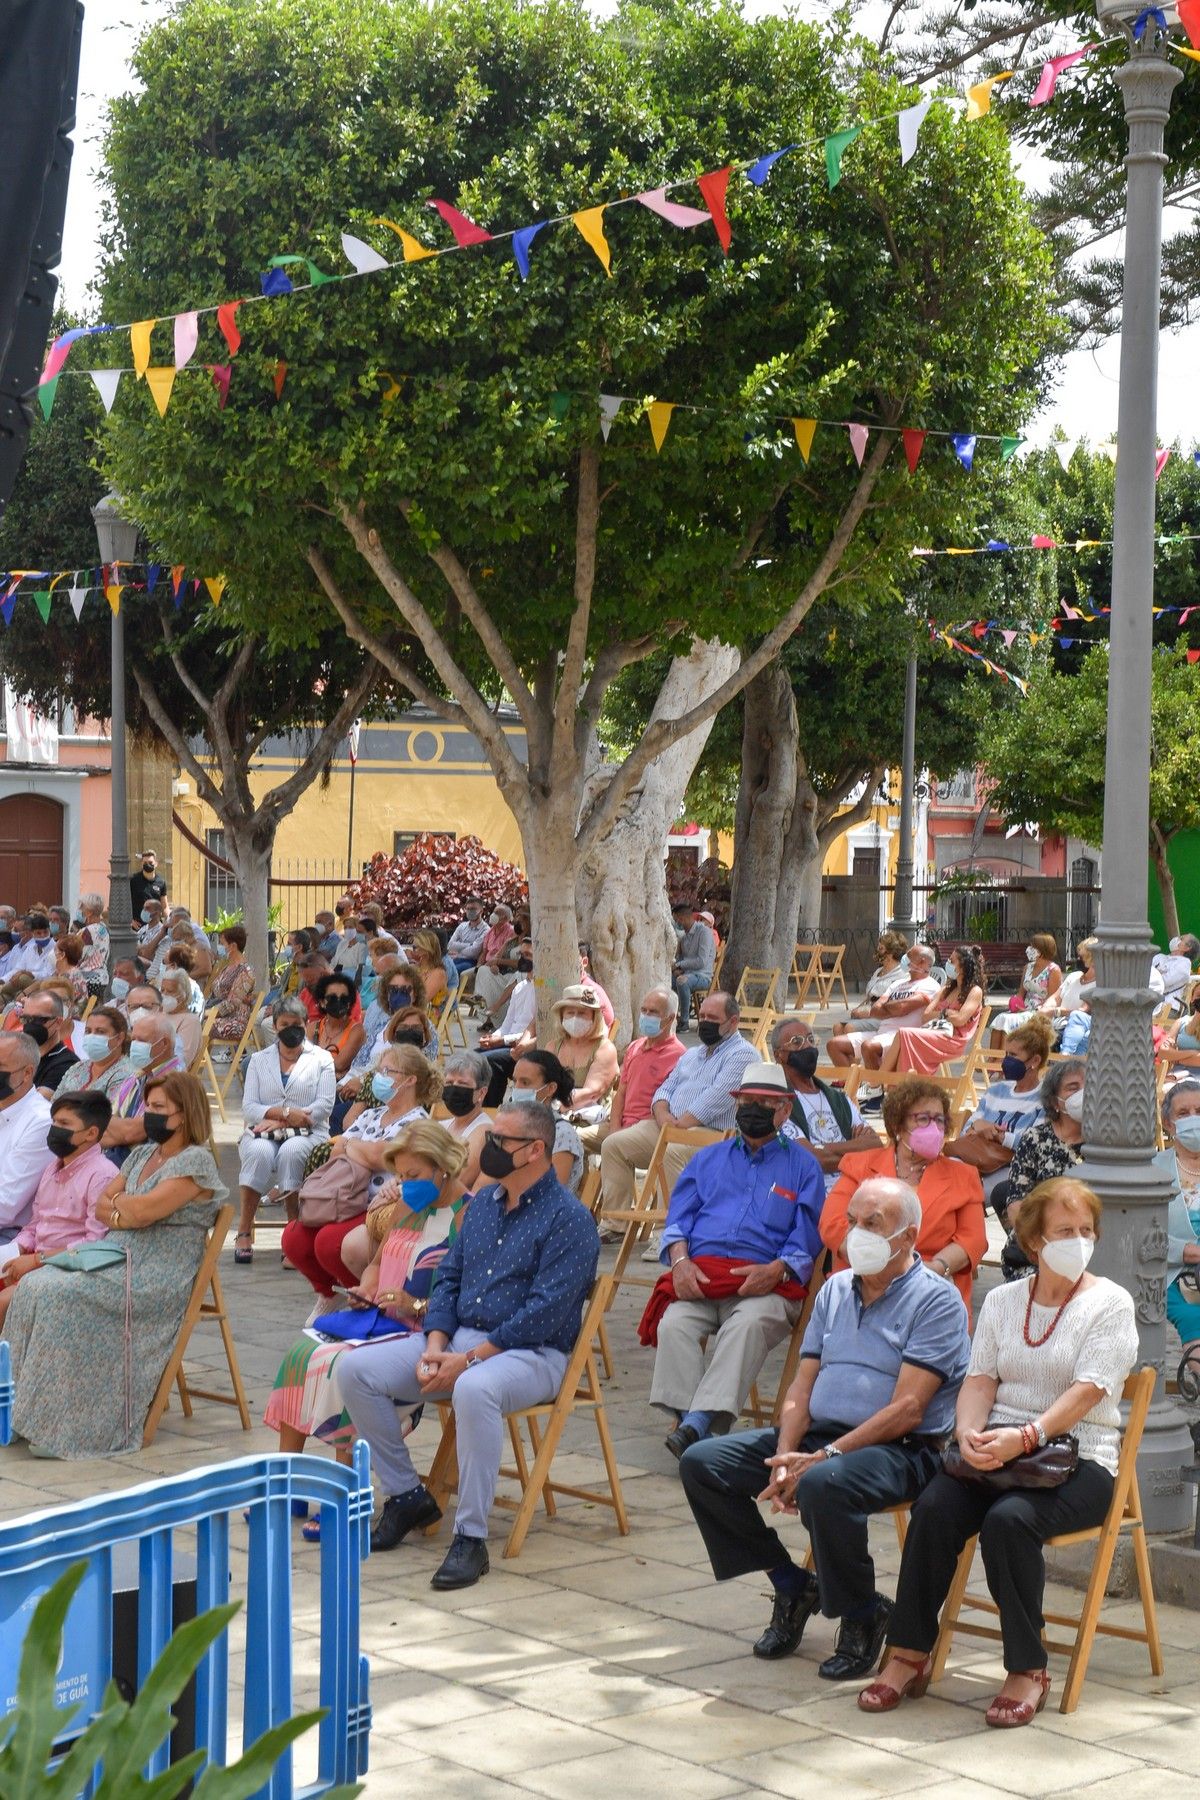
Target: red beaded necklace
{"type": "Point", "coordinates": [1036, 1343]}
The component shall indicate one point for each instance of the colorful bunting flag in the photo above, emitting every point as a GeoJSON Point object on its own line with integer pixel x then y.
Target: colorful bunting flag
{"type": "Point", "coordinates": [46, 393]}
{"type": "Point", "coordinates": [590, 224]}
{"type": "Point", "coordinates": [1051, 71]}
{"type": "Point", "coordinates": [1109, 450]}
{"type": "Point", "coordinates": [139, 344]}
{"type": "Point", "coordinates": [521, 241]}
{"type": "Point", "coordinates": [41, 599]}
{"type": "Point", "coordinates": [964, 448]}
{"type": "Point", "coordinates": [713, 187]}
{"type": "Point", "coordinates": [280, 377]}
{"type": "Point", "coordinates": [106, 381]}
{"type": "Point", "coordinates": [910, 123]}
{"type": "Point", "coordinates": [316, 277]}
{"type": "Point", "coordinates": [153, 571]}
{"type": "Point", "coordinates": [160, 382]}
{"type": "Point", "coordinates": [362, 258]}
{"type": "Point", "coordinates": [806, 431]}
{"type": "Point", "coordinates": [177, 572]}
{"type": "Point", "coordinates": [8, 606]}
{"type": "Point", "coordinates": [758, 171]}
{"type": "Point", "coordinates": [465, 230]}
{"type": "Point", "coordinates": [227, 320]}
{"type": "Point", "coordinates": [1143, 19]}
{"type": "Point", "coordinates": [835, 148]}
{"type": "Point", "coordinates": [187, 332]}
{"type": "Point", "coordinates": [1193, 656]}
{"type": "Point", "coordinates": [59, 350]}
{"type": "Point", "coordinates": [275, 283]}
{"type": "Point", "coordinates": [77, 596]}
{"type": "Point", "coordinates": [858, 441]}
{"type": "Point", "coordinates": [979, 97]}
{"type": "Point", "coordinates": [1161, 459]}
{"type": "Point", "coordinates": [659, 414]}
{"type": "Point", "coordinates": [1189, 18]}
{"type": "Point", "coordinates": [216, 587]}
{"type": "Point", "coordinates": [112, 593]}
{"type": "Point", "coordinates": [1009, 447]}
{"type": "Point", "coordinates": [682, 216]}
{"type": "Point", "coordinates": [414, 250]}
{"type": "Point", "coordinates": [610, 406]}
{"type": "Point", "coordinates": [914, 443]}
{"type": "Point", "coordinates": [220, 373]}
{"type": "Point", "coordinates": [1064, 453]}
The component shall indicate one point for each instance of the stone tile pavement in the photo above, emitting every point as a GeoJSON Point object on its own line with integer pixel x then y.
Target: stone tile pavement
{"type": "Point", "coordinates": [598, 1666]}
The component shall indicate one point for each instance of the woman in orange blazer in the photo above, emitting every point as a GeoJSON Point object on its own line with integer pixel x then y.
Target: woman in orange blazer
{"type": "Point", "coordinates": [953, 1236]}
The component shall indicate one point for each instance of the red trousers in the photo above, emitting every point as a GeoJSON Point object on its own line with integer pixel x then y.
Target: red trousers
{"type": "Point", "coordinates": [317, 1252]}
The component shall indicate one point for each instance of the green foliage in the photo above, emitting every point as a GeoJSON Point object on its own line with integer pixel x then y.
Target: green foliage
{"type": "Point", "coordinates": [123, 1735]}
{"type": "Point", "coordinates": [319, 115]}
{"type": "Point", "coordinates": [47, 522]}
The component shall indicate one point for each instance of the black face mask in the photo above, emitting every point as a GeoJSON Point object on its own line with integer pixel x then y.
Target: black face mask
{"type": "Point", "coordinates": [410, 1035]}
{"type": "Point", "coordinates": [804, 1060]}
{"type": "Point", "coordinates": [459, 1100]}
{"type": "Point", "coordinates": [290, 1036]}
{"type": "Point", "coordinates": [495, 1160]}
{"type": "Point", "coordinates": [148, 869]}
{"type": "Point", "coordinates": [37, 1029]}
{"type": "Point", "coordinates": [158, 1128]}
{"type": "Point", "coordinates": [709, 1031]}
{"type": "Point", "coordinates": [524, 964]}
{"type": "Point", "coordinates": [754, 1119]}
{"type": "Point", "coordinates": [5, 1086]}
{"type": "Point", "coordinates": [337, 1006]}
{"type": "Point", "coordinates": [398, 997]}
{"type": "Point", "coordinates": [59, 1140]}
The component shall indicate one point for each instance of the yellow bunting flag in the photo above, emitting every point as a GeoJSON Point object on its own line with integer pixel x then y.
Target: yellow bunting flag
{"type": "Point", "coordinates": [160, 382]}
{"type": "Point", "coordinates": [216, 587]}
{"type": "Point", "coordinates": [139, 343]}
{"type": "Point", "coordinates": [806, 431]}
{"type": "Point", "coordinates": [979, 97]}
{"type": "Point", "coordinates": [112, 594]}
{"type": "Point", "coordinates": [414, 250]}
{"type": "Point", "coordinates": [590, 223]}
{"type": "Point", "coordinates": [659, 414]}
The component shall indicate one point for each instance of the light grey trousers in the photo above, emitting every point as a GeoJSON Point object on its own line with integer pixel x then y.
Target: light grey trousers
{"type": "Point", "coordinates": [377, 1376]}
{"type": "Point", "coordinates": [741, 1335]}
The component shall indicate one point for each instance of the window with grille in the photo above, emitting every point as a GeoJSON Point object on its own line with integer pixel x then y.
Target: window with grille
{"type": "Point", "coordinates": [221, 890]}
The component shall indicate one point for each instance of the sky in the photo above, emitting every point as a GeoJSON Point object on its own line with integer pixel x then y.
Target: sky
{"type": "Point", "coordinates": [1083, 401]}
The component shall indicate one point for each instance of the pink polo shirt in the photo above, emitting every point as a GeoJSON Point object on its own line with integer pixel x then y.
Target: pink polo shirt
{"type": "Point", "coordinates": [648, 1062]}
{"type": "Point", "coordinates": [64, 1206]}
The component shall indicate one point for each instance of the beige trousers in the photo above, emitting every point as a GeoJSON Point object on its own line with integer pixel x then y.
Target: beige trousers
{"type": "Point", "coordinates": [741, 1335]}
{"type": "Point", "coordinates": [624, 1151]}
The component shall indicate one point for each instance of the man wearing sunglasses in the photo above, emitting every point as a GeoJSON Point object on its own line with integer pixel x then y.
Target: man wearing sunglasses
{"type": "Point", "coordinates": [499, 1329]}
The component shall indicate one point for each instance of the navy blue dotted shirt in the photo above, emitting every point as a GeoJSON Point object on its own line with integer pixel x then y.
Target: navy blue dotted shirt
{"type": "Point", "coordinates": [521, 1276]}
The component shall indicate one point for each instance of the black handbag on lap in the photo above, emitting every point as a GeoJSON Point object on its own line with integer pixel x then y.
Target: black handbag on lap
{"type": "Point", "coordinates": [1048, 1466]}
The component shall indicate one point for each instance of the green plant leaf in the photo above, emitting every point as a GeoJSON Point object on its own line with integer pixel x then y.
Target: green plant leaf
{"type": "Point", "coordinates": [38, 1721]}
{"type": "Point", "coordinates": [247, 1775]}
{"type": "Point", "coordinates": [150, 1718]}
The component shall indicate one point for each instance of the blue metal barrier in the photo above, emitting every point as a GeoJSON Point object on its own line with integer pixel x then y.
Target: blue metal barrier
{"type": "Point", "coordinates": [6, 1392]}
{"type": "Point", "coordinates": [36, 1549]}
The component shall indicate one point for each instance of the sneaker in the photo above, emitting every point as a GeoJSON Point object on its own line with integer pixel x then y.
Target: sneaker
{"type": "Point", "coordinates": [326, 1303]}
{"type": "Point", "coordinates": [653, 1251]}
{"type": "Point", "coordinates": [868, 1090]}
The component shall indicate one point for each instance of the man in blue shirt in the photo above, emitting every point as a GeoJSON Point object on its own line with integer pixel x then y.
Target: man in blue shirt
{"type": "Point", "coordinates": [882, 1361]}
{"type": "Point", "coordinates": [742, 1225]}
{"type": "Point", "coordinates": [499, 1329]}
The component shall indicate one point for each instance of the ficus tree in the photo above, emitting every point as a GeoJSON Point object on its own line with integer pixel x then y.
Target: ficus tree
{"type": "Point", "coordinates": [434, 467]}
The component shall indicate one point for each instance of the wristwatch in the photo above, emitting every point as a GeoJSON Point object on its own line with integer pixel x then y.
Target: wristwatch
{"type": "Point", "coordinates": [471, 1358]}
{"type": "Point", "coordinates": [832, 1450]}
{"type": "Point", "coordinates": [419, 1307]}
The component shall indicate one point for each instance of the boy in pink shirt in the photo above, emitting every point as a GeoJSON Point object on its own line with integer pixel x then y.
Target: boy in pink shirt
{"type": "Point", "coordinates": [64, 1206]}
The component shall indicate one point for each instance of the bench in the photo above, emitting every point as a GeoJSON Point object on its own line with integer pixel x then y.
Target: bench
{"type": "Point", "coordinates": [1005, 963]}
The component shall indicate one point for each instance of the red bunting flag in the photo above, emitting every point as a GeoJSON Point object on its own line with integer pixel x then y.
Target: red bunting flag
{"type": "Point", "coordinates": [1189, 18]}
{"type": "Point", "coordinates": [226, 316]}
{"type": "Point", "coordinates": [280, 377]}
{"type": "Point", "coordinates": [914, 443]}
{"type": "Point", "coordinates": [464, 229]}
{"type": "Point", "coordinates": [220, 373]}
{"type": "Point", "coordinates": [713, 187]}
{"type": "Point", "coordinates": [1043, 543]}
{"type": "Point", "coordinates": [1193, 656]}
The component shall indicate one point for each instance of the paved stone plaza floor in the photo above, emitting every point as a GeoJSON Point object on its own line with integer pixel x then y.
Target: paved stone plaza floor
{"type": "Point", "coordinates": [599, 1666]}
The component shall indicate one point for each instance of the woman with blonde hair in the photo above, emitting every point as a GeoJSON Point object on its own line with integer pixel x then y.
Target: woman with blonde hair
{"type": "Point", "coordinates": [1040, 983]}
{"type": "Point", "coordinates": [425, 950]}
{"type": "Point", "coordinates": [426, 1166]}
{"type": "Point", "coordinates": [583, 1048]}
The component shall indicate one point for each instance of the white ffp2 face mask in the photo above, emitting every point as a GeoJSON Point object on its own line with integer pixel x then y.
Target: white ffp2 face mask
{"type": "Point", "coordinates": [867, 1252]}
{"type": "Point", "coordinates": [1073, 1106]}
{"type": "Point", "coordinates": [577, 1028]}
{"type": "Point", "coordinates": [1068, 1257]}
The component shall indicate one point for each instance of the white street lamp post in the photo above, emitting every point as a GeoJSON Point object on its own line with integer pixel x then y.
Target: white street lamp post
{"type": "Point", "coordinates": [118, 544]}
{"type": "Point", "coordinates": [1119, 1102]}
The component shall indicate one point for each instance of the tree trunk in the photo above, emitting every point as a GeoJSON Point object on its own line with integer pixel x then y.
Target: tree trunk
{"type": "Point", "coordinates": [622, 886]}
{"type": "Point", "coordinates": [251, 843]}
{"type": "Point", "coordinates": [548, 846]}
{"type": "Point", "coordinates": [1159, 844]}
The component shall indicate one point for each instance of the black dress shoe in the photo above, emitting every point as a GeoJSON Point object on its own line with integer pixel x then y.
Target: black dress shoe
{"type": "Point", "coordinates": [789, 1615]}
{"type": "Point", "coordinates": [401, 1514]}
{"type": "Point", "coordinates": [859, 1643]}
{"type": "Point", "coordinates": [681, 1439]}
{"type": "Point", "coordinates": [466, 1560]}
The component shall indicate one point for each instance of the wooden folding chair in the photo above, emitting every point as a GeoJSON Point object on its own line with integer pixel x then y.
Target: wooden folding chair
{"type": "Point", "coordinates": [755, 1408]}
{"type": "Point", "coordinates": [649, 1209]}
{"type": "Point", "coordinates": [805, 967]}
{"type": "Point", "coordinates": [757, 1015]}
{"type": "Point", "coordinates": [831, 973]}
{"type": "Point", "coordinates": [86, 1014]}
{"type": "Point", "coordinates": [715, 984]}
{"type": "Point", "coordinates": [207, 1302]}
{"type": "Point", "coordinates": [580, 1391]}
{"type": "Point", "coordinates": [1124, 1515]}
{"type": "Point", "coordinates": [235, 1062]}
{"type": "Point", "coordinates": [859, 1077]}
{"type": "Point", "coordinates": [203, 1068]}
{"type": "Point", "coordinates": [446, 1021]}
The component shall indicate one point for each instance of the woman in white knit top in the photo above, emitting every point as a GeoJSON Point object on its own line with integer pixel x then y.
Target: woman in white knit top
{"type": "Point", "coordinates": [1050, 1356]}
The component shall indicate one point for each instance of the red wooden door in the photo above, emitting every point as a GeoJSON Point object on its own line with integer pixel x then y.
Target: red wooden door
{"type": "Point", "coordinates": [31, 850]}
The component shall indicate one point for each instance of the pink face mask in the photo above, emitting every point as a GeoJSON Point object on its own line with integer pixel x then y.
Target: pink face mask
{"type": "Point", "coordinates": [926, 1141]}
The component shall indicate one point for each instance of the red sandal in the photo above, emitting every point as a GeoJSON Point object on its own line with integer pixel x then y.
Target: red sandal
{"type": "Point", "coordinates": [1006, 1714]}
{"type": "Point", "coordinates": [880, 1698]}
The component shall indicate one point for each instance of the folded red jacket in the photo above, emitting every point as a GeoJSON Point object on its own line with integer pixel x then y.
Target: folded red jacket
{"type": "Point", "coordinates": [722, 1284]}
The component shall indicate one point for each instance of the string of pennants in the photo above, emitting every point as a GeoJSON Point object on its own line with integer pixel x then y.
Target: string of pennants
{"type": "Point", "coordinates": [107, 579]}
{"type": "Point", "coordinates": [982, 628]}
{"type": "Point", "coordinates": [1002, 547]}
{"type": "Point", "coordinates": [276, 281]}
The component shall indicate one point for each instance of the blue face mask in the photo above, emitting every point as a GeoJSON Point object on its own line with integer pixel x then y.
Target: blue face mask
{"type": "Point", "coordinates": [522, 1096]}
{"type": "Point", "coordinates": [54, 930]}
{"type": "Point", "coordinates": [398, 997]}
{"type": "Point", "coordinates": [417, 1195]}
{"type": "Point", "coordinates": [1187, 1132]}
{"type": "Point", "coordinates": [145, 915]}
{"type": "Point", "coordinates": [384, 1088]}
{"type": "Point", "coordinates": [96, 1047]}
{"type": "Point", "coordinates": [140, 1054]}
{"type": "Point", "coordinates": [648, 1025]}
{"type": "Point", "coordinates": [120, 987]}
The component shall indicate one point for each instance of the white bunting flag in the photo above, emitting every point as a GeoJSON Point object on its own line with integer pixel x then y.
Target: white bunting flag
{"type": "Point", "coordinates": [910, 123]}
{"type": "Point", "coordinates": [1064, 453]}
{"type": "Point", "coordinates": [186, 334]}
{"type": "Point", "coordinates": [610, 406]}
{"type": "Point", "coordinates": [77, 596]}
{"type": "Point", "coordinates": [106, 381]}
{"type": "Point", "coordinates": [364, 258]}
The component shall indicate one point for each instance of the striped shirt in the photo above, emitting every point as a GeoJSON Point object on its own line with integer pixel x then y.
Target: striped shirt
{"type": "Point", "coordinates": [703, 1080]}
{"type": "Point", "coordinates": [1014, 1113]}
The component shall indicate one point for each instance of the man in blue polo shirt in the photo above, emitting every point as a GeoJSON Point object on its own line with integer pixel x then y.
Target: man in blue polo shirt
{"type": "Point", "coordinates": [882, 1361]}
{"type": "Point", "coordinates": [742, 1230]}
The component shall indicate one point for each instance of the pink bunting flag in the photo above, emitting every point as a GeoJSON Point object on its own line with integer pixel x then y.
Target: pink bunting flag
{"type": "Point", "coordinates": [465, 230]}
{"type": "Point", "coordinates": [1052, 70]}
{"type": "Point", "coordinates": [713, 187]}
{"type": "Point", "coordinates": [186, 333]}
{"type": "Point", "coordinates": [858, 441]}
{"type": "Point", "coordinates": [1161, 458]}
{"type": "Point", "coordinates": [1043, 543]}
{"type": "Point", "coordinates": [1009, 639]}
{"type": "Point", "coordinates": [56, 356]}
{"type": "Point", "coordinates": [682, 216]}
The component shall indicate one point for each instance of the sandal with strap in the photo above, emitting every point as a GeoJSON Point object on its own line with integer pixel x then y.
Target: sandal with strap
{"type": "Point", "coordinates": [880, 1698]}
{"type": "Point", "coordinates": [1006, 1713]}
{"type": "Point", "coordinates": [243, 1247]}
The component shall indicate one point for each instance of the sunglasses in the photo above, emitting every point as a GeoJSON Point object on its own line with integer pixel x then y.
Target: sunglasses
{"type": "Point", "coordinates": [499, 1138]}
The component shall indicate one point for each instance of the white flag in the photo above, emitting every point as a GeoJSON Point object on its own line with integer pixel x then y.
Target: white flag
{"type": "Point", "coordinates": [364, 258]}
{"type": "Point", "coordinates": [1064, 453]}
{"type": "Point", "coordinates": [610, 406]}
{"type": "Point", "coordinates": [77, 596]}
{"type": "Point", "coordinates": [106, 381]}
{"type": "Point", "coordinates": [910, 123]}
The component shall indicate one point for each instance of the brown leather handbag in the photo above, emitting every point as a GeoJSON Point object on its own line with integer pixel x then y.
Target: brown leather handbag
{"type": "Point", "coordinates": [1048, 1466]}
{"type": "Point", "coordinates": [334, 1192]}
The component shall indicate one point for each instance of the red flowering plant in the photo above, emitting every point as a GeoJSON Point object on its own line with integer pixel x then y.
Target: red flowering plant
{"type": "Point", "coordinates": [429, 883]}
{"type": "Point", "coordinates": [704, 885]}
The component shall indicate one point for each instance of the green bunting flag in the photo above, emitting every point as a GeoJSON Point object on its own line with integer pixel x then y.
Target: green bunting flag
{"type": "Point", "coordinates": [1009, 447]}
{"type": "Point", "coordinates": [835, 148]}
{"type": "Point", "coordinates": [41, 599]}
{"type": "Point", "coordinates": [46, 395]}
